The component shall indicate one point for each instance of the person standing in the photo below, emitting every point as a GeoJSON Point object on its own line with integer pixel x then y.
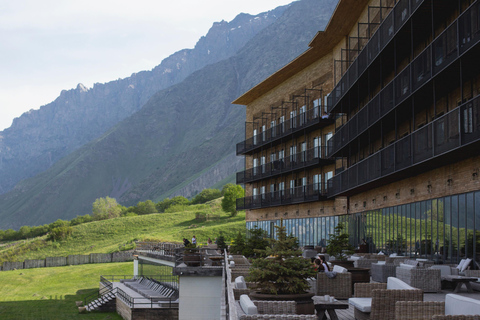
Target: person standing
{"type": "Point", "coordinates": [194, 240]}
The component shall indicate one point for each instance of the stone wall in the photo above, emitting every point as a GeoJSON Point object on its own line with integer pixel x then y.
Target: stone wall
{"type": "Point", "coordinates": [123, 256]}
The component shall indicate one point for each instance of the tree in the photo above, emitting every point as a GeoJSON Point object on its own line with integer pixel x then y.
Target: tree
{"type": "Point", "coordinates": [339, 244]}
{"type": "Point", "coordinates": [285, 271]}
{"type": "Point", "coordinates": [167, 203]}
{"type": "Point", "coordinates": [238, 246]}
{"type": "Point", "coordinates": [206, 195]}
{"type": "Point", "coordinates": [231, 193]}
{"type": "Point", "coordinates": [256, 239]}
{"type": "Point", "coordinates": [106, 208]}
{"type": "Point", "coordinates": [146, 207]}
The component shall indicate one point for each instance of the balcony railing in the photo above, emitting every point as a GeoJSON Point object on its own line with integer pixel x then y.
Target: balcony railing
{"type": "Point", "coordinates": [388, 28]}
{"type": "Point", "coordinates": [444, 50]}
{"type": "Point", "coordinates": [302, 121]}
{"type": "Point", "coordinates": [304, 159]}
{"type": "Point", "coordinates": [311, 192]}
{"type": "Point", "coordinates": [455, 129]}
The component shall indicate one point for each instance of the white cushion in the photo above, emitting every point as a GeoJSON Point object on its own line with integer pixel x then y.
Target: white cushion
{"type": "Point", "coordinates": [232, 263]}
{"type": "Point", "coordinates": [381, 253]}
{"type": "Point", "coordinates": [240, 283]}
{"type": "Point", "coordinates": [397, 284]}
{"type": "Point", "coordinates": [466, 264]}
{"type": "Point", "coordinates": [444, 270]}
{"type": "Point", "coordinates": [460, 264]}
{"type": "Point", "coordinates": [393, 255]}
{"type": "Point", "coordinates": [381, 262]}
{"type": "Point", "coordinates": [362, 304]}
{"type": "Point", "coordinates": [339, 269]}
{"type": "Point", "coordinates": [404, 265]}
{"type": "Point", "coordinates": [460, 305]}
{"type": "Point", "coordinates": [354, 258]}
{"type": "Point", "coordinates": [247, 305]}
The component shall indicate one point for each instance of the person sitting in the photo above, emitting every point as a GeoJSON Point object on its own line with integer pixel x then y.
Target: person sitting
{"type": "Point", "coordinates": [322, 265]}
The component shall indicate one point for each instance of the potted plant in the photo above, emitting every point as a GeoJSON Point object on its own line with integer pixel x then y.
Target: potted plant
{"type": "Point", "coordinates": [283, 274]}
{"type": "Point", "coordinates": [339, 246]}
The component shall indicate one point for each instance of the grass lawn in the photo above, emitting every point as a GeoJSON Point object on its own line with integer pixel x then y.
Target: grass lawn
{"type": "Point", "coordinates": [50, 293]}
{"type": "Point", "coordinates": [119, 234]}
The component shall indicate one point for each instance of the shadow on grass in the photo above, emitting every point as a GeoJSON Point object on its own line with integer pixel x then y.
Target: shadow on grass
{"type": "Point", "coordinates": [51, 308]}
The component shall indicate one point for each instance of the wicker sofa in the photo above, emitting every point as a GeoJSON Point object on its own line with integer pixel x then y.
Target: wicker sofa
{"type": "Point", "coordinates": [253, 310]}
{"type": "Point", "coordinates": [429, 280]}
{"type": "Point", "coordinates": [377, 300]}
{"type": "Point", "coordinates": [340, 287]}
{"type": "Point", "coordinates": [454, 307]}
{"type": "Point", "coordinates": [381, 271]}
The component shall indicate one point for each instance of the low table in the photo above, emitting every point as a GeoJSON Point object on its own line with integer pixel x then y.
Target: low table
{"type": "Point", "coordinates": [323, 307]}
{"type": "Point", "coordinates": [459, 281]}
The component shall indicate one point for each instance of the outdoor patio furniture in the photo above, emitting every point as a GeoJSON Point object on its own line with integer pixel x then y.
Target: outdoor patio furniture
{"type": "Point", "coordinates": [364, 263]}
{"type": "Point", "coordinates": [427, 279]}
{"type": "Point", "coordinates": [455, 307]}
{"type": "Point", "coordinates": [377, 300]}
{"type": "Point", "coordinates": [253, 310]}
{"type": "Point", "coordinates": [340, 287]}
{"type": "Point", "coordinates": [381, 271]}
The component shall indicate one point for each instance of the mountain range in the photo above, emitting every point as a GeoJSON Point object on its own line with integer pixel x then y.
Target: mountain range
{"type": "Point", "coordinates": [159, 133]}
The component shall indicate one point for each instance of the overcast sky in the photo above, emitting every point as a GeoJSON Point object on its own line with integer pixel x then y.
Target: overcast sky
{"type": "Point", "coordinates": [50, 45]}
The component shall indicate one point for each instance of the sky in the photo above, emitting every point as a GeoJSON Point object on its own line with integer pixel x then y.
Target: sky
{"type": "Point", "coordinates": [51, 45]}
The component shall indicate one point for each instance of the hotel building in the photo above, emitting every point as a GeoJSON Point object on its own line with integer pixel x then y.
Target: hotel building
{"type": "Point", "coordinates": [377, 126]}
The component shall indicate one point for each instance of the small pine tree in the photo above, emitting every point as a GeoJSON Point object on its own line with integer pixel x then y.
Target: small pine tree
{"type": "Point", "coordinates": [284, 271]}
{"type": "Point", "coordinates": [339, 244]}
{"type": "Point", "coordinates": [221, 244]}
{"type": "Point", "coordinates": [238, 246]}
{"type": "Point", "coordinates": [256, 239]}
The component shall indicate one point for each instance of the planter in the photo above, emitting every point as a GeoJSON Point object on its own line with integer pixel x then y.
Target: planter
{"type": "Point", "coordinates": [303, 300]}
{"type": "Point", "coordinates": [192, 259]}
{"type": "Point", "coordinates": [343, 263]}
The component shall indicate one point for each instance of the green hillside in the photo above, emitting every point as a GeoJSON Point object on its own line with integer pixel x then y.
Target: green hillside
{"type": "Point", "coordinates": [120, 233]}
{"type": "Point", "coordinates": [179, 133]}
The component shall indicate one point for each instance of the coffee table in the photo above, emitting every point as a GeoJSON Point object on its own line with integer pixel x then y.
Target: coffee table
{"type": "Point", "coordinates": [324, 307]}
{"type": "Point", "coordinates": [459, 281]}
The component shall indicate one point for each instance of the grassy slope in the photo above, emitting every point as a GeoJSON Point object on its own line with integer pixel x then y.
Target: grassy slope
{"type": "Point", "coordinates": [50, 293]}
{"type": "Point", "coordinates": [118, 234]}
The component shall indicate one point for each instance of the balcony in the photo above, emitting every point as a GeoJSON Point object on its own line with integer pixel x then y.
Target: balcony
{"type": "Point", "coordinates": [439, 54]}
{"type": "Point", "coordinates": [448, 139]}
{"type": "Point", "coordinates": [309, 120]}
{"type": "Point", "coordinates": [302, 160]}
{"type": "Point", "coordinates": [379, 40]}
{"type": "Point", "coordinates": [308, 193]}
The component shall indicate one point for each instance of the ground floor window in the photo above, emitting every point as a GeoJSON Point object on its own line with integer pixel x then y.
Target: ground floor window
{"type": "Point", "coordinates": [445, 229]}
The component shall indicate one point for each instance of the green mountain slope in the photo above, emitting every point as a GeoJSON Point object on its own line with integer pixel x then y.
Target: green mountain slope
{"type": "Point", "coordinates": [184, 133]}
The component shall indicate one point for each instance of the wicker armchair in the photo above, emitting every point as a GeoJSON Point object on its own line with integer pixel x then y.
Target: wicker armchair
{"type": "Point", "coordinates": [381, 272]}
{"type": "Point", "coordinates": [340, 287]}
{"type": "Point", "coordinates": [275, 310]}
{"type": "Point", "coordinates": [364, 263]}
{"type": "Point", "coordinates": [383, 299]}
{"type": "Point", "coordinates": [459, 317]}
{"type": "Point", "coordinates": [418, 310]}
{"type": "Point", "coordinates": [428, 280]}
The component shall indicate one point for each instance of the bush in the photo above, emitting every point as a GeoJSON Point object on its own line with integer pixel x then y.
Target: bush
{"type": "Point", "coordinates": [206, 195]}
{"type": "Point", "coordinates": [60, 233]}
{"type": "Point", "coordinates": [231, 193]}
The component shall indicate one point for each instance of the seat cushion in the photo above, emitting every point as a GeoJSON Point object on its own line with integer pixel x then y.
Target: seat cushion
{"type": "Point", "coordinates": [397, 284]}
{"type": "Point", "coordinates": [460, 265]}
{"type": "Point", "coordinates": [409, 266]}
{"type": "Point", "coordinates": [240, 283]}
{"type": "Point", "coordinates": [339, 269]}
{"type": "Point", "coordinates": [460, 305]}
{"type": "Point", "coordinates": [361, 304]}
{"type": "Point", "coordinates": [465, 265]}
{"type": "Point", "coordinates": [247, 305]}
{"type": "Point", "coordinates": [444, 270]}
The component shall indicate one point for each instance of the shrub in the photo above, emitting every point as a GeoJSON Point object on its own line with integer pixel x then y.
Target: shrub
{"type": "Point", "coordinates": [60, 233]}
{"type": "Point", "coordinates": [206, 195]}
{"type": "Point", "coordinates": [231, 193]}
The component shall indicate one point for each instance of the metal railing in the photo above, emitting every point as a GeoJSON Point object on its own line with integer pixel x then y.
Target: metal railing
{"type": "Point", "coordinates": [198, 257]}
{"type": "Point", "coordinates": [455, 129]}
{"type": "Point", "coordinates": [309, 118]}
{"type": "Point", "coordinates": [307, 193]}
{"type": "Point", "coordinates": [440, 53]}
{"type": "Point", "coordinates": [300, 160]}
